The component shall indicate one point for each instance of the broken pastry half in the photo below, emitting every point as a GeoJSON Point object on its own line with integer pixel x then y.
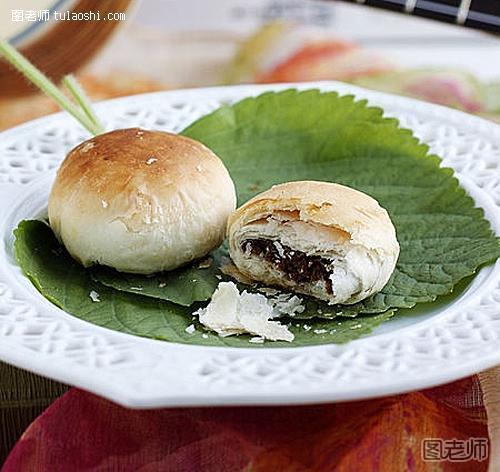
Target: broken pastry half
{"type": "Point", "coordinates": [317, 238]}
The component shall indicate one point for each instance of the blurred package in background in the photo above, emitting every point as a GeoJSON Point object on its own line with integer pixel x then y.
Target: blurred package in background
{"type": "Point", "coordinates": [166, 44]}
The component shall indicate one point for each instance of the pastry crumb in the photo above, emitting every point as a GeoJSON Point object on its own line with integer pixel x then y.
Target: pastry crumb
{"type": "Point", "coordinates": [205, 263]}
{"type": "Point", "coordinates": [190, 329]}
{"type": "Point", "coordinates": [94, 296]}
{"type": "Point", "coordinates": [231, 312]}
{"type": "Point", "coordinates": [287, 304]}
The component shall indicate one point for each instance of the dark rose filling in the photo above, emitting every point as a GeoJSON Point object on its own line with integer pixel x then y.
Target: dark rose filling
{"type": "Point", "coordinates": [296, 265]}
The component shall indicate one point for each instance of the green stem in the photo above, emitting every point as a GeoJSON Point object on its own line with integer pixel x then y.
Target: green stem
{"type": "Point", "coordinates": [38, 78]}
{"type": "Point", "coordinates": [81, 98]}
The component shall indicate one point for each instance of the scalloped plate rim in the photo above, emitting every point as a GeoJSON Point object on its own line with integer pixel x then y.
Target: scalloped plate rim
{"type": "Point", "coordinates": [176, 395]}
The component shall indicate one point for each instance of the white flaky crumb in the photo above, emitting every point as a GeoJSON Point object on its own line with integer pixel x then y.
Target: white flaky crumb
{"type": "Point", "coordinates": [320, 331]}
{"type": "Point", "coordinates": [94, 296]}
{"type": "Point", "coordinates": [231, 312]}
{"type": "Point", "coordinates": [204, 336]}
{"type": "Point", "coordinates": [104, 203]}
{"type": "Point", "coordinates": [268, 291]}
{"type": "Point", "coordinates": [162, 285]}
{"type": "Point", "coordinates": [190, 329]}
{"type": "Point", "coordinates": [256, 340]}
{"type": "Point", "coordinates": [286, 304]}
{"type": "Point", "coordinates": [151, 160]}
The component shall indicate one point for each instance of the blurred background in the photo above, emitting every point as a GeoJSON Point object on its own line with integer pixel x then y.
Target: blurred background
{"type": "Point", "coordinates": [165, 44]}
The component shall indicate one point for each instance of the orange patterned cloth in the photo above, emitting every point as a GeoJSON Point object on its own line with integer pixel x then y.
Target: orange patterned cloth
{"type": "Point", "coordinates": [81, 431]}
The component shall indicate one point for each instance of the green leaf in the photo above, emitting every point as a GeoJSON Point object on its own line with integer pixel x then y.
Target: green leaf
{"type": "Point", "coordinates": [184, 286]}
{"type": "Point", "coordinates": [279, 137]}
{"type": "Point", "coordinates": [69, 286]}
{"type": "Point", "coordinates": [293, 135]}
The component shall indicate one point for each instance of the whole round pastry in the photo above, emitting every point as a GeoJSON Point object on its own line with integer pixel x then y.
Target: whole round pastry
{"type": "Point", "coordinates": [318, 238]}
{"type": "Point", "coordinates": [141, 201]}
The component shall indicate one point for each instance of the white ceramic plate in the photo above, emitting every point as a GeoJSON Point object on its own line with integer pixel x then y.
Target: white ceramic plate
{"type": "Point", "coordinates": [452, 341]}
